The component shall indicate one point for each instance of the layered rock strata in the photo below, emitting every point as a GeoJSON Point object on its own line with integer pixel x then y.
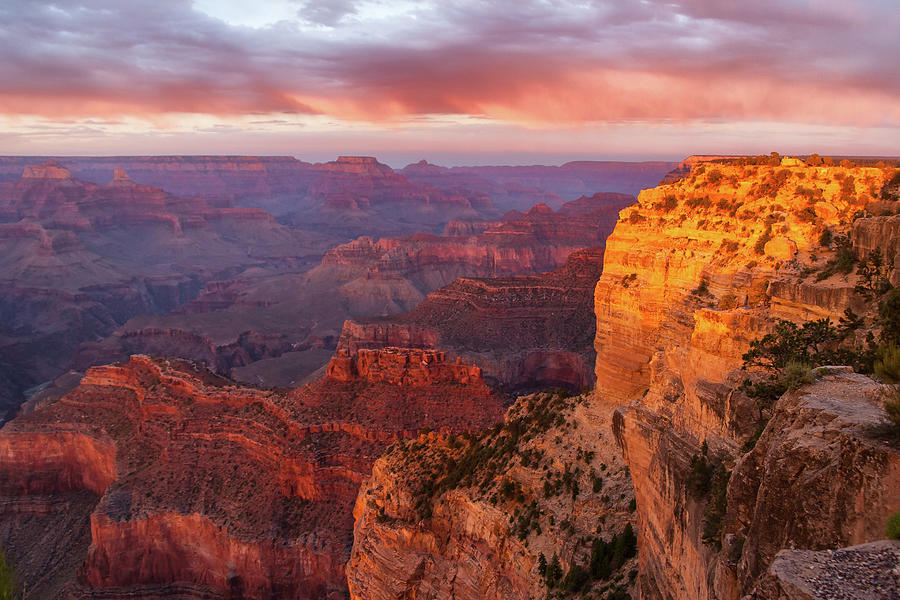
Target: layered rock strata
{"type": "Point", "coordinates": [471, 518]}
{"type": "Point", "coordinates": [277, 330]}
{"type": "Point", "coordinates": [524, 332]}
{"type": "Point", "coordinates": [80, 259]}
{"type": "Point", "coordinates": [692, 274]}
{"type": "Point", "coordinates": [196, 487]}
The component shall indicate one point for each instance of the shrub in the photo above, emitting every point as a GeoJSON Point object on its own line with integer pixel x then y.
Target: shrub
{"type": "Point", "coordinates": [760, 246]}
{"type": "Point", "coordinates": [843, 260]}
{"type": "Point", "coordinates": [714, 513]}
{"type": "Point", "coordinates": [807, 215]}
{"type": "Point", "coordinates": [668, 203]}
{"type": "Point", "coordinates": [699, 475]}
{"type": "Point", "coordinates": [873, 276]}
{"type": "Point", "coordinates": [889, 314]}
{"type": "Point", "coordinates": [575, 579]}
{"type": "Point", "coordinates": [714, 176]}
{"type": "Point", "coordinates": [553, 572]}
{"type": "Point", "coordinates": [892, 408]}
{"type": "Point", "coordinates": [893, 527]}
{"type": "Point", "coordinates": [728, 302]}
{"type": "Point", "coordinates": [730, 245]}
{"type": "Point", "coordinates": [797, 374]}
{"type": "Point", "coordinates": [10, 588]}
{"type": "Point", "coordinates": [702, 289]}
{"type": "Point", "coordinates": [826, 238]}
{"type": "Point", "coordinates": [887, 365]}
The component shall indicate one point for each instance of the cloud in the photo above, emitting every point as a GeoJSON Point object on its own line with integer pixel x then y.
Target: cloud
{"type": "Point", "coordinates": [528, 62]}
{"type": "Point", "coordinates": [328, 13]}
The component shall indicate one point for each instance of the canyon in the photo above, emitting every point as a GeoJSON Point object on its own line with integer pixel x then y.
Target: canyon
{"type": "Point", "coordinates": [401, 470]}
{"type": "Point", "coordinates": [354, 196]}
{"type": "Point", "coordinates": [281, 329]}
{"type": "Point", "coordinates": [526, 332]}
{"type": "Point", "coordinates": [238, 261]}
{"type": "Point", "coordinates": [170, 480]}
{"type": "Point", "coordinates": [693, 273]}
{"type": "Point", "coordinates": [80, 259]}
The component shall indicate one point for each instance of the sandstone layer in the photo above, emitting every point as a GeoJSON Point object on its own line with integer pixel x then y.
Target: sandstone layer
{"type": "Point", "coordinates": [525, 332]}
{"type": "Point", "coordinates": [694, 272]}
{"type": "Point", "coordinates": [471, 517]}
{"type": "Point", "coordinates": [171, 481]}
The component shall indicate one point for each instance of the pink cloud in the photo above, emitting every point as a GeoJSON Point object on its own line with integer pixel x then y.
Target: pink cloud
{"type": "Point", "coordinates": [514, 61]}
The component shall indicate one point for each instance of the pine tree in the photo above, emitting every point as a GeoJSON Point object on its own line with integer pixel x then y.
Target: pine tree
{"type": "Point", "coordinates": [542, 565]}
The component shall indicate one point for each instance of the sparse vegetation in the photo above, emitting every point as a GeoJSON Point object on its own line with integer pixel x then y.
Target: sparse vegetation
{"type": "Point", "coordinates": [760, 246]}
{"type": "Point", "coordinates": [790, 353]}
{"type": "Point", "coordinates": [892, 530]}
{"type": "Point", "coordinates": [10, 586]}
{"type": "Point", "coordinates": [669, 203]}
{"type": "Point", "coordinates": [728, 302]}
{"type": "Point", "coordinates": [843, 260]}
{"type": "Point", "coordinates": [702, 290]}
{"type": "Point", "coordinates": [707, 481]}
{"type": "Point", "coordinates": [874, 276]}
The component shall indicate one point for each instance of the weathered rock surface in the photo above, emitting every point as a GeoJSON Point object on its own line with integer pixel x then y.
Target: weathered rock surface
{"type": "Point", "coordinates": [867, 571]}
{"type": "Point", "coordinates": [470, 518]}
{"type": "Point", "coordinates": [203, 488]}
{"type": "Point", "coordinates": [524, 332]}
{"type": "Point", "coordinates": [692, 273]}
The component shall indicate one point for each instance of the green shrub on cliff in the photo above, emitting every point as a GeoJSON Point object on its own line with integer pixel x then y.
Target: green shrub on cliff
{"type": "Point", "coordinates": [843, 260]}
{"type": "Point", "coordinates": [10, 588]}
{"type": "Point", "coordinates": [893, 527]}
{"type": "Point", "coordinates": [889, 317]}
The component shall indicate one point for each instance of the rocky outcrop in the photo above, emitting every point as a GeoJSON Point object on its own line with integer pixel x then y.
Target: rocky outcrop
{"type": "Point", "coordinates": [863, 571]}
{"type": "Point", "coordinates": [692, 273]}
{"type": "Point", "coordinates": [205, 488]}
{"type": "Point", "coordinates": [714, 228]}
{"type": "Point", "coordinates": [881, 234]}
{"type": "Point", "coordinates": [822, 441]}
{"type": "Point", "coordinates": [471, 518]}
{"type": "Point", "coordinates": [402, 366]}
{"type": "Point", "coordinates": [525, 332]}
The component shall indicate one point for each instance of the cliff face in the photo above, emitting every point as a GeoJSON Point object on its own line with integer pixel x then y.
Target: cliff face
{"type": "Point", "coordinates": [277, 330]}
{"type": "Point", "coordinates": [471, 518]}
{"type": "Point", "coordinates": [524, 332]}
{"type": "Point", "coordinates": [204, 488]}
{"type": "Point", "coordinates": [692, 273]}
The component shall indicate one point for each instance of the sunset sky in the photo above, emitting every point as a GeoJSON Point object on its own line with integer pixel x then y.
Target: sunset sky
{"type": "Point", "coordinates": [462, 82]}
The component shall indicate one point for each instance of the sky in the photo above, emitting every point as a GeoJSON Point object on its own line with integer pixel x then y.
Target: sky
{"type": "Point", "coordinates": [456, 82]}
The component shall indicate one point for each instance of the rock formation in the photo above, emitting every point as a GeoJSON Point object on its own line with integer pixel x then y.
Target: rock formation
{"type": "Point", "coordinates": [471, 517]}
{"type": "Point", "coordinates": [514, 187]}
{"type": "Point", "coordinates": [694, 272]}
{"type": "Point", "coordinates": [277, 330]}
{"type": "Point", "coordinates": [525, 332]}
{"type": "Point", "coordinates": [196, 487]}
{"type": "Point", "coordinates": [79, 259]}
{"type": "Point", "coordinates": [723, 480]}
